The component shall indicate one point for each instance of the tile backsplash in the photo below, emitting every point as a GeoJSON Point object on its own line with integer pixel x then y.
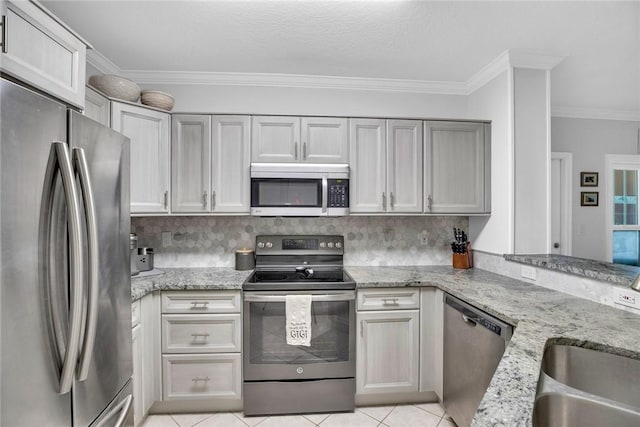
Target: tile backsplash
{"type": "Point", "coordinates": [206, 241]}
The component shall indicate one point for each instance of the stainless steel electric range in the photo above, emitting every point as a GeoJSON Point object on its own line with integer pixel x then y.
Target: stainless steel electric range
{"type": "Point", "coordinates": [286, 379]}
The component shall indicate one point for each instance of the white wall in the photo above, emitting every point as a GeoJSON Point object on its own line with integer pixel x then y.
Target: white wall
{"type": "Point", "coordinates": [493, 102]}
{"type": "Point", "coordinates": [306, 101]}
{"type": "Point", "coordinates": [589, 140]}
{"type": "Point", "coordinates": [531, 161]}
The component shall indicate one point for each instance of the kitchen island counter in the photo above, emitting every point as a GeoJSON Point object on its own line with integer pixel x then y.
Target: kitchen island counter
{"type": "Point", "coordinates": [186, 279]}
{"type": "Point", "coordinates": [540, 315]}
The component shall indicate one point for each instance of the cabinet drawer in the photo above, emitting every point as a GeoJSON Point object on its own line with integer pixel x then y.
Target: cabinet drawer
{"type": "Point", "coordinates": [202, 376]}
{"type": "Point", "coordinates": [389, 299]}
{"type": "Point", "coordinates": [201, 302]}
{"type": "Point", "coordinates": [135, 313]}
{"type": "Point", "coordinates": [201, 333]}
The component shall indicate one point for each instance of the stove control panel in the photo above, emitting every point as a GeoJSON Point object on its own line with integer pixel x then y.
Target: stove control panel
{"type": "Point", "coordinates": [296, 245]}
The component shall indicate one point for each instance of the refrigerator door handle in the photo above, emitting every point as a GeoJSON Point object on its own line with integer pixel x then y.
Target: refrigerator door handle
{"type": "Point", "coordinates": [60, 160]}
{"type": "Point", "coordinates": [86, 353]}
{"type": "Point", "coordinates": [121, 409]}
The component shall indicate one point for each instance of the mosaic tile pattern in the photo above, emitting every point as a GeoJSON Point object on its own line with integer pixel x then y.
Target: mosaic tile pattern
{"type": "Point", "coordinates": [207, 241]}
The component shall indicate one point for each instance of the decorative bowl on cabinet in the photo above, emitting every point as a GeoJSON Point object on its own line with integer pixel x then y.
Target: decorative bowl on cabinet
{"type": "Point", "coordinates": [116, 87]}
{"type": "Point", "coordinates": [157, 99]}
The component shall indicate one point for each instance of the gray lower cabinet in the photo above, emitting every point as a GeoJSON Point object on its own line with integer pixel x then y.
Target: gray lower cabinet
{"type": "Point", "coordinates": [457, 167]}
{"type": "Point", "coordinates": [145, 315]}
{"type": "Point", "coordinates": [201, 348]}
{"type": "Point", "coordinates": [388, 341]}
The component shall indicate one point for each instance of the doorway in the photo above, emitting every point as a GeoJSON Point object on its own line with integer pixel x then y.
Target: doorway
{"type": "Point", "coordinates": [561, 170]}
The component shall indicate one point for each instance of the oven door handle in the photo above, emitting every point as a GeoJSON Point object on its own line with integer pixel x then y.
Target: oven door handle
{"type": "Point", "coordinates": [282, 298]}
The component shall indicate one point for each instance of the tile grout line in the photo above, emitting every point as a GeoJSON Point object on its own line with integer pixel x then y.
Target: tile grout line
{"type": "Point", "coordinates": [387, 416]}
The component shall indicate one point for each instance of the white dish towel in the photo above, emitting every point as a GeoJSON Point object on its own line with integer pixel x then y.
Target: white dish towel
{"type": "Point", "coordinates": [298, 321]}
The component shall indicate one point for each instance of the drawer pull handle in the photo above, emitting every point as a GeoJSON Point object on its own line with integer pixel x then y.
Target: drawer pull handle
{"type": "Point", "coordinates": [200, 305]}
{"type": "Point", "coordinates": [198, 379]}
{"type": "Point", "coordinates": [394, 301]}
{"type": "Point", "coordinates": [200, 335]}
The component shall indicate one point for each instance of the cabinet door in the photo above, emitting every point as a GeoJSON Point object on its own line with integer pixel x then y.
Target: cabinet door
{"type": "Point", "coordinates": [388, 351]}
{"type": "Point", "coordinates": [138, 402]}
{"type": "Point", "coordinates": [325, 140]}
{"type": "Point", "coordinates": [231, 159]}
{"type": "Point", "coordinates": [149, 134]}
{"type": "Point", "coordinates": [367, 165]}
{"type": "Point", "coordinates": [97, 107]}
{"type": "Point", "coordinates": [456, 160]}
{"type": "Point", "coordinates": [191, 163]}
{"type": "Point", "coordinates": [150, 350]}
{"type": "Point", "coordinates": [404, 166]}
{"type": "Point", "coordinates": [39, 50]}
{"type": "Point", "coordinates": [275, 139]}
{"type": "Point", "coordinates": [431, 339]}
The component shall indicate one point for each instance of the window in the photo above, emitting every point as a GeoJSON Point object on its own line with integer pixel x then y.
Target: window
{"type": "Point", "coordinates": [623, 174]}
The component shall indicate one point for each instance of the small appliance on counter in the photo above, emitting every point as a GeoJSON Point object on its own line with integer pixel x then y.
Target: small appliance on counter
{"type": "Point", "coordinates": [133, 247]}
{"type": "Point", "coordinates": [144, 259]}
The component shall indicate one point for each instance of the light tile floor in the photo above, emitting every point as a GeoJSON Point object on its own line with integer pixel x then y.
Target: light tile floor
{"type": "Point", "coordinates": [416, 415]}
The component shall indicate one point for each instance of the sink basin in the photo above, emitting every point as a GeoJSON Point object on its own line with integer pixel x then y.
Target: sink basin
{"type": "Point", "coordinates": [606, 375]}
{"type": "Point", "coordinates": [559, 409]}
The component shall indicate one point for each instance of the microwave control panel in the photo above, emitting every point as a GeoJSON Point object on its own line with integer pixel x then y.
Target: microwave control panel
{"type": "Point", "coordinates": [338, 193]}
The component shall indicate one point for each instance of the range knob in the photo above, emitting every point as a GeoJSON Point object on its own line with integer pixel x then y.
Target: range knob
{"type": "Point", "coordinates": [338, 245]}
{"type": "Point", "coordinates": [323, 245]}
{"type": "Point", "coordinates": [261, 245]}
{"type": "Point", "coordinates": [269, 245]}
{"type": "Point", "coordinates": [330, 245]}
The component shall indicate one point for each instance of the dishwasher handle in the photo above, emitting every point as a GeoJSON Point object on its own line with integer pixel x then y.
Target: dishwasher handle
{"type": "Point", "coordinates": [473, 316]}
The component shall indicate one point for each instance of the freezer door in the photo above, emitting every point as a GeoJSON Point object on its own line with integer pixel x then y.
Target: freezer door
{"type": "Point", "coordinates": [30, 369]}
{"type": "Point", "coordinates": [106, 155]}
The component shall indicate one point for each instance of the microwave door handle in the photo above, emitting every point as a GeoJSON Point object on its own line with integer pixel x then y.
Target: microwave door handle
{"type": "Point", "coordinates": [325, 195]}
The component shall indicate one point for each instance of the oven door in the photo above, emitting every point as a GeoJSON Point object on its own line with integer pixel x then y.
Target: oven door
{"type": "Point", "coordinates": [331, 354]}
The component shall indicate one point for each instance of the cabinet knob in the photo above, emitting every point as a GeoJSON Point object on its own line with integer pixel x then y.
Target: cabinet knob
{"type": "Point", "coordinates": [392, 200]}
{"type": "Point", "coordinates": [166, 199]}
{"type": "Point", "coordinates": [205, 198]}
{"type": "Point", "coordinates": [556, 245]}
{"type": "Point", "coordinates": [429, 202]}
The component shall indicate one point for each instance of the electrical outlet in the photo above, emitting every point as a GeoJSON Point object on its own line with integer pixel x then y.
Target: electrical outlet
{"type": "Point", "coordinates": [528, 272]}
{"type": "Point", "coordinates": [166, 239]}
{"type": "Point", "coordinates": [626, 297]}
{"type": "Point", "coordinates": [424, 238]}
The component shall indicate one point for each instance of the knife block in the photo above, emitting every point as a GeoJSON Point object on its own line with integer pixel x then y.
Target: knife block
{"type": "Point", "coordinates": [464, 260]}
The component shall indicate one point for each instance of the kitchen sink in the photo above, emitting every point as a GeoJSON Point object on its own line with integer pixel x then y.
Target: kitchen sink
{"type": "Point", "coordinates": [584, 387]}
{"type": "Point", "coordinates": [559, 409]}
{"type": "Point", "coordinates": [606, 375]}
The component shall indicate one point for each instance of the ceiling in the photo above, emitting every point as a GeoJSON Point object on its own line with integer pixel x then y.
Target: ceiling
{"type": "Point", "coordinates": [441, 41]}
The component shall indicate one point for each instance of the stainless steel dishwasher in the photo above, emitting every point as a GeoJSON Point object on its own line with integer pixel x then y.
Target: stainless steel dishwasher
{"type": "Point", "coordinates": [473, 346]}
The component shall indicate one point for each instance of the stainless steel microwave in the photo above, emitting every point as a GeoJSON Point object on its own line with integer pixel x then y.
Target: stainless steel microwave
{"type": "Point", "coordinates": [299, 189]}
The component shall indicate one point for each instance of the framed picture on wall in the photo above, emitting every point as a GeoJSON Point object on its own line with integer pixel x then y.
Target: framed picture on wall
{"type": "Point", "coordinates": [589, 198]}
{"type": "Point", "coordinates": [588, 179]}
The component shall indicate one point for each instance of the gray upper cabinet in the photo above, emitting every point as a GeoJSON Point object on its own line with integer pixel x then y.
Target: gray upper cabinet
{"type": "Point", "coordinates": [275, 139]}
{"type": "Point", "coordinates": [38, 49]}
{"type": "Point", "coordinates": [210, 158]}
{"type": "Point", "coordinates": [386, 166]}
{"type": "Point", "coordinates": [231, 158]}
{"type": "Point", "coordinates": [97, 107]}
{"type": "Point", "coordinates": [457, 168]}
{"type": "Point", "coordinates": [404, 166]}
{"type": "Point", "coordinates": [280, 139]}
{"type": "Point", "coordinates": [191, 163]}
{"type": "Point", "coordinates": [325, 140]}
{"type": "Point", "coordinates": [149, 133]}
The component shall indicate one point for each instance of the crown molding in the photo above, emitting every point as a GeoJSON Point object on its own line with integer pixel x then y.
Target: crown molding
{"type": "Point", "coordinates": [102, 63]}
{"type": "Point", "coordinates": [489, 72]}
{"type": "Point", "coordinates": [595, 113]}
{"type": "Point", "coordinates": [522, 59]}
{"type": "Point", "coordinates": [295, 80]}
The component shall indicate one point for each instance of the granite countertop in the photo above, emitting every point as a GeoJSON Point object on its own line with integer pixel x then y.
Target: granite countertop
{"type": "Point", "coordinates": [619, 274]}
{"type": "Point", "coordinates": [214, 278]}
{"type": "Point", "coordinates": [539, 314]}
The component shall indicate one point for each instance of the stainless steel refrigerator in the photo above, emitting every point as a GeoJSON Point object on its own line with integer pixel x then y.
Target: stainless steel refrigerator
{"type": "Point", "coordinates": [65, 280]}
